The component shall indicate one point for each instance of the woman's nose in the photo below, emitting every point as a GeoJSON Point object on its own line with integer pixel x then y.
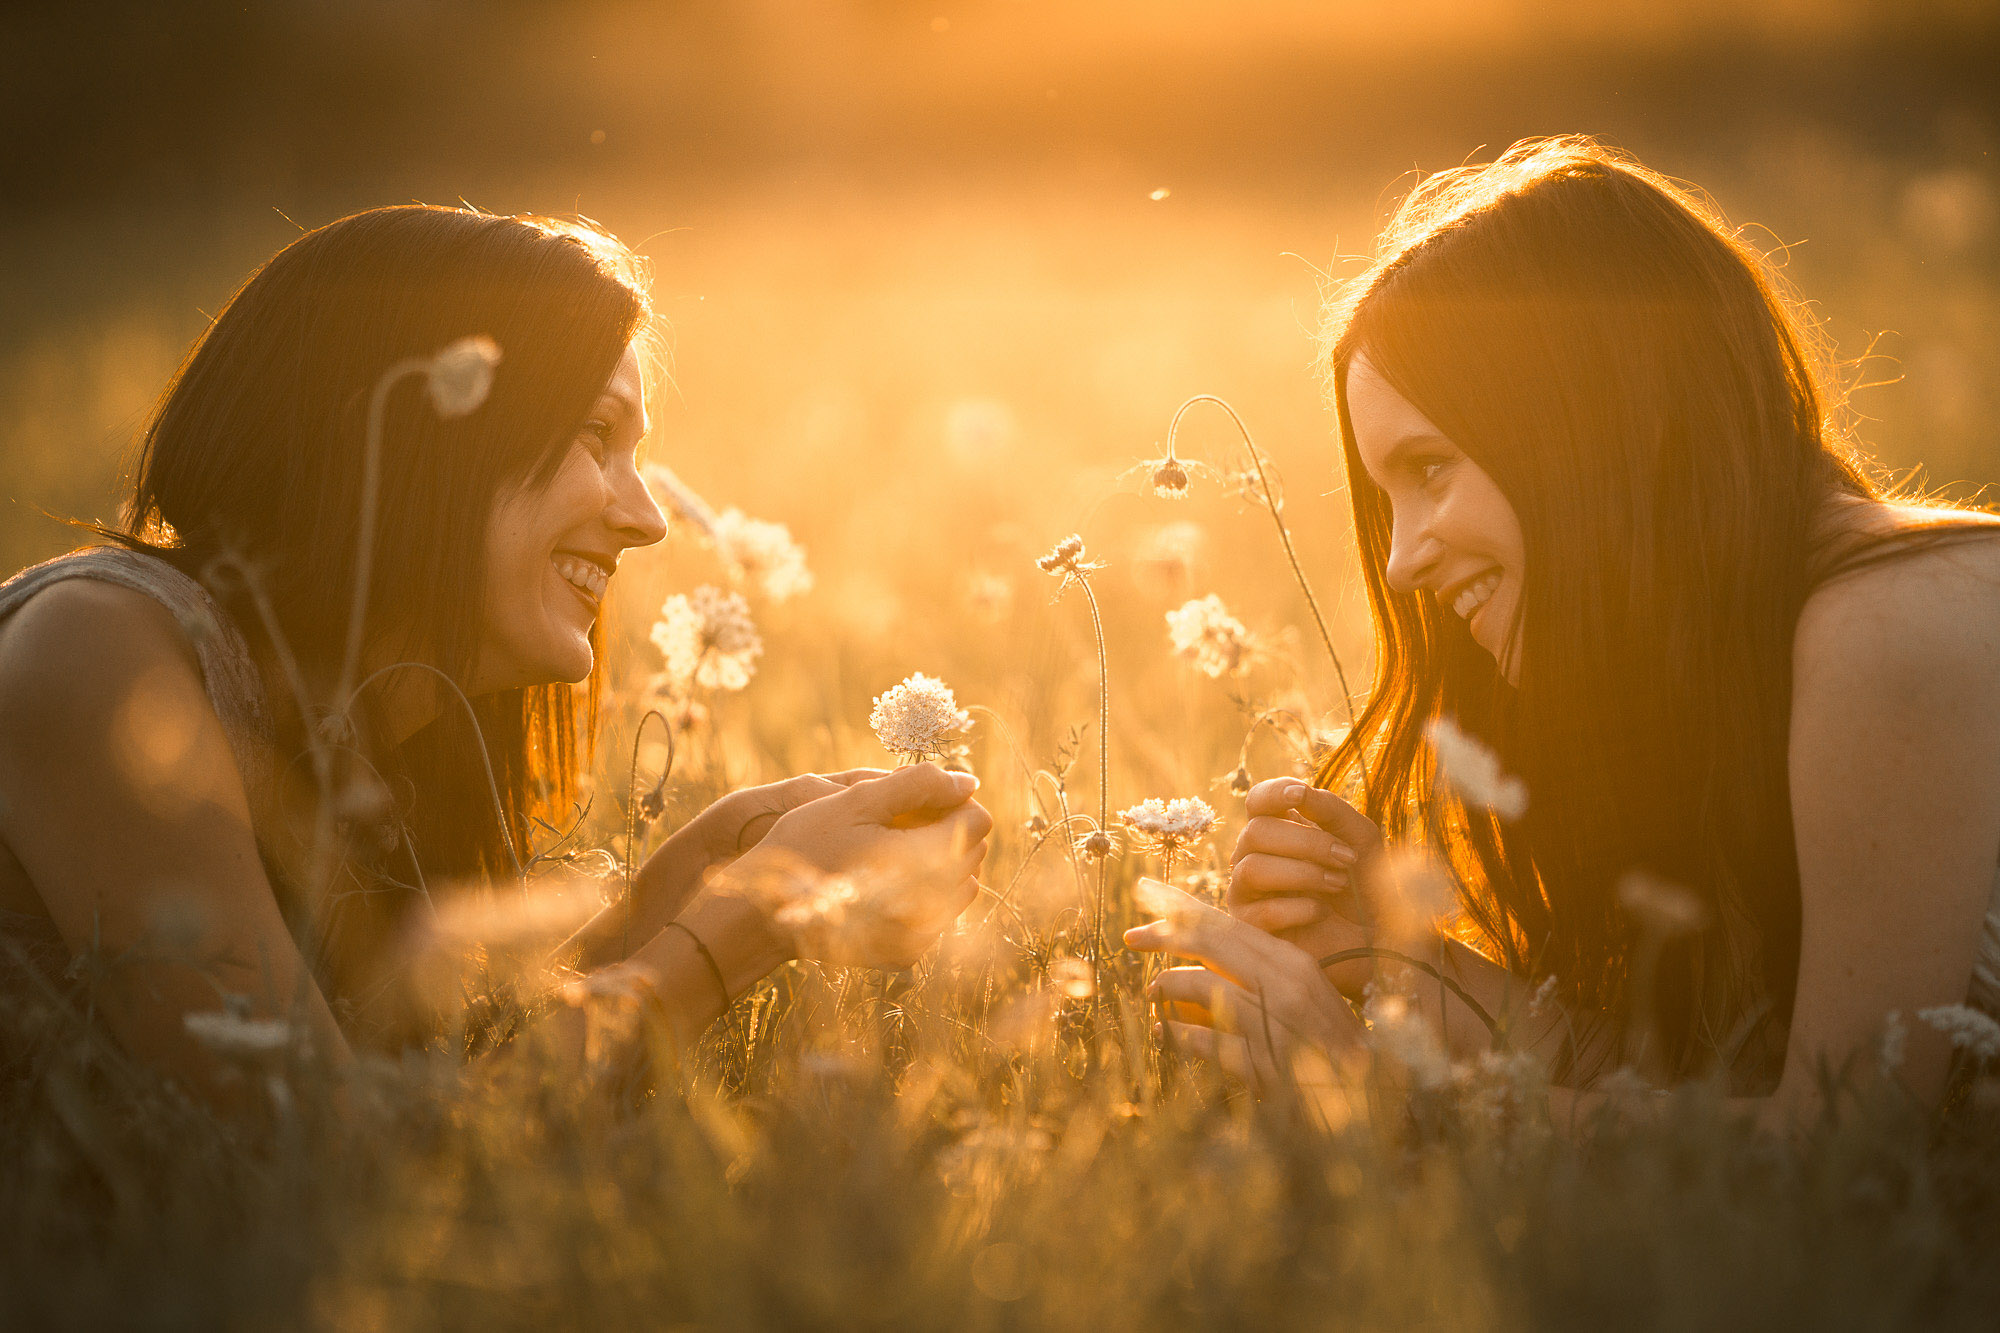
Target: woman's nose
{"type": "Point", "coordinates": [1412, 555]}
{"type": "Point", "coordinates": [634, 515]}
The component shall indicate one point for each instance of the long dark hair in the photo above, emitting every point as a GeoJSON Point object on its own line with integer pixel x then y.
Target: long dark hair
{"type": "Point", "coordinates": [253, 462]}
{"type": "Point", "coordinates": [1665, 424]}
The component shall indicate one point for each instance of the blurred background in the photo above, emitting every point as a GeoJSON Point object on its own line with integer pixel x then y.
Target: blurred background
{"type": "Point", "coordinates": [936, 273]}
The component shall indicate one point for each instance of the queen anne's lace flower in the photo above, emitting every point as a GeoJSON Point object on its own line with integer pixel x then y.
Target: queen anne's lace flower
{"type": "Point", "coordinates": [1170, 825]}
{"type": "Point", "coordinates": [462, 375]}
{"type": "Point", "coordinates": [1214, 641]}
{"type": "Point", "coordinates": [919, 718]}
{"type": "Point", "coordinates": [764, 552]}
{"type": "Point", "coordinates": [708, 639]}
{"type": "Point", "coordinates": [1971, 1030]}
{"type": "Point", "coordinates": [1474, 772]}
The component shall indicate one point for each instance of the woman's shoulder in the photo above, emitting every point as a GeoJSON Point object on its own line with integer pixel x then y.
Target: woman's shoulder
{"type": "Point", "coordinates": [87, 640]}
{"type": "Point", "coordinates": [1918, 591]}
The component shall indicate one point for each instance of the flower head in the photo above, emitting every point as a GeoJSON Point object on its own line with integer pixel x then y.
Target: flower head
{"type": "Point", "coordinates": [1214, 641]}
{"type": "Point", "coordinates": [461, 376]}
{"type": "Point", "coordinates": [919, 718]}
{"type": "Point", "coordinates": [1066, 560]}
{"type": "Point", "coordinates": [1170, 479]}
{"type": "Point", "coordinates": [1170, 826]}
{"type": "Point", "coordinates": [1971, 1030]}
{"type": "Point", "coordinates": [1096, 845]}
{"type": "Point", "coordinates": [708, 639]}
{"type": "Point", "coordinates": [1474, 772]}
{"type": "Point", "coordinates": [764, 552]}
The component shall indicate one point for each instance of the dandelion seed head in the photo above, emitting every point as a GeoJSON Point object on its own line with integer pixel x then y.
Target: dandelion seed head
{"type": "Point", "coordinates": [1212, 640]}
{"type": "Point", "coordinates": [765, 553]}
{"type": "Point", "coordinates": [1971, 1030]}
{"type": "Point", "coordinates": [708, 639]}
{"type": "Point", "coordinates": [1037, 824]}
{"type": "Point", "coordinates": [919, 718]}
{"type": "Point", "coordinates": [461, 376]}
{"type": "Point", "coordinates": [1473, 772]}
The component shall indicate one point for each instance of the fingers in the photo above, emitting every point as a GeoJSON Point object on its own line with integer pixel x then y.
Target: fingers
{"type": "Point", "coordinates": [1222, 1000]}
{"type": "Point", "coordinates": [1283, 796]}
{"type": "Point", "coordinates": [921, 788]}
{"type": "Point", "coordinates": [1272, 836]}
{"type": "Point", "coordinates": [1237, 951]}
{"type": "Point", "coordinates": [1262, 876]}
{"type": "Point", "coordinates": [849, 776]}
{"type": "Point", "coordinates": [1277, 915]}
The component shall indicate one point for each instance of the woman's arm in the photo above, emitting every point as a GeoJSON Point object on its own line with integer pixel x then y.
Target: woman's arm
{"type": "Point", "coordinates": [121, 797]}
{"type": "Point", "coordinates": [1895, 786]}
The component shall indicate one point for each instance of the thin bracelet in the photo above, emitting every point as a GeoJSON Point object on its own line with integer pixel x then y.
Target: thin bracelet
{"type": "Point", "coordinates": [714, 968]}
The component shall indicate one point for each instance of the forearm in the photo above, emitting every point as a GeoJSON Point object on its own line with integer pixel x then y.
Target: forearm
{"type": "Point", "coordinates": [664, 885]}
{"type": "Point", "coordinates": [1466, 978]}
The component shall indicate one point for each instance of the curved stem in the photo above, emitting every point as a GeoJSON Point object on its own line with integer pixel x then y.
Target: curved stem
{"type": "Point", "coordinates": [1103, 759]}
{"type": "Point", "coordinates": [364, 539]}
{"type": "Point", "coordinates": [632, 812]}
{"type": "Point", "coordinates": [1371, 951]}
{"type": "Point", "coordinates": [1291, 556]}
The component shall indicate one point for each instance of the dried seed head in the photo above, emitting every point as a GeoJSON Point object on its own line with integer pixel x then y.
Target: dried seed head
{"type": "Point", "coordinates": [1065, 559]}
{"type": "Point", "coordinates": [1036, 825]}
{"type": "Point", "coordinates": [1239, 781]}
{"type": "Point", "coordinates": [653, 804]}
{"type": "Point", "coordinates": [1097, 845]}
{"type": "Point", "coordinates": [461, 376]}
{"type": "Point", "coordinates": [1170, 479]}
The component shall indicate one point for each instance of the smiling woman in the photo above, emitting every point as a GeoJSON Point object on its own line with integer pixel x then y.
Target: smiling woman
{"type": "Point", "coordinates": [1611, 525]}
{"type": "Point", "coordinates": [327, 669]}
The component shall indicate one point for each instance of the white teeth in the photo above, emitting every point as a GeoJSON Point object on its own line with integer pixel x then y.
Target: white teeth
{"type": "Point", "coordinates": [582, 575]}
{"type": "Point", "coordinates": [1475, 594]}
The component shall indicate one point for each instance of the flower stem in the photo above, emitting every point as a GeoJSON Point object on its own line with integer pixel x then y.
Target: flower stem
{"type": "Point", "coordinates": [1291, 555]}
{"type": "Point", "coordinates": [1103, 760]}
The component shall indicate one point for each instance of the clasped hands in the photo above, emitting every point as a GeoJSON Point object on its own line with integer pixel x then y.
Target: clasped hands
{"type": "Point", "coordinates": [1255, 995]}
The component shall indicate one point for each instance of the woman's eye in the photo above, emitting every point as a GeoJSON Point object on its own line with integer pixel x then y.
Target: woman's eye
{"type": "Point", "coordinates": [1429, 472]}
{"type": "Point", "coordinates": [597, 436]}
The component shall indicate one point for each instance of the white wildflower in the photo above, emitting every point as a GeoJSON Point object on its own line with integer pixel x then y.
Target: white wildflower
{"type": "Point", "coordinates": [461, 376]}
{"type": "Point", "coordinates": [1664, 909]}
{"type": "Point", "coordinates": [237, 1036]}
{"type": "Point", "coordinates": [919, 718]}
{"type": "Point", "coordinates": [1889, 1054]}
{"type": "Point", "coordinates": [708, 639]}
{"type": "Point", "coordinates": [1474, 772]}
{"type": "Point", "coordinates": [764, 552]}
{"type": "Point", "coordinates": [1206, 634]}
{"type": "Point", "coordinates": [1971, 1030]}
{"type": "Point", "coordinates": [1170, 826]}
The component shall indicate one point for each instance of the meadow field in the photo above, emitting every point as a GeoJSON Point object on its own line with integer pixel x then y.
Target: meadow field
{"type": "Point", "coordinates": [930, 378]}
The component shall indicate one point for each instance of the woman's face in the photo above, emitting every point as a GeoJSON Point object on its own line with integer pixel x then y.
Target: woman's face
{"type": "Point", "coordinates": [1453, 531]}
{"type": "Point", "coordinates": [551, 548]}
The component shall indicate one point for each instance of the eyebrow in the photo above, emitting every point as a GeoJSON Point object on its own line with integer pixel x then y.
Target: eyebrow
{"type": "Point", "coordinates": [633, 408]}
{"type": "Point", "coordinates": [1407, 443]}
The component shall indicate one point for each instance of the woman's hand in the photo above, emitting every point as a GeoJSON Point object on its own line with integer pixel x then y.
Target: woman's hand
{"type": "Point", "coordinates": [873, 874]}
{"type": "Point", "coordinates": [1254, 1005]}
{"type": "Point", "coordinates": [1298, 872]}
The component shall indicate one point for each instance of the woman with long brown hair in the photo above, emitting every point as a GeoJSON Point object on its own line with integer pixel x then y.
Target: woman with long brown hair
{"type": "Point", "coordinates": [1612, 530]}
{"type": "Point", "coordinates": [328, 667]}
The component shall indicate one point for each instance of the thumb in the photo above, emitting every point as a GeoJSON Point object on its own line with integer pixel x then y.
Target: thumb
{"type": "Point", "coordinates": [922, 787]}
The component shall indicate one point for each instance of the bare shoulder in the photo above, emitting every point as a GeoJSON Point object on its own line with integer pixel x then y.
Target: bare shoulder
{"type": "Point", "coordinates": [1933, 609]}
{"type": "Point", "coordinates": [83, 636]}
